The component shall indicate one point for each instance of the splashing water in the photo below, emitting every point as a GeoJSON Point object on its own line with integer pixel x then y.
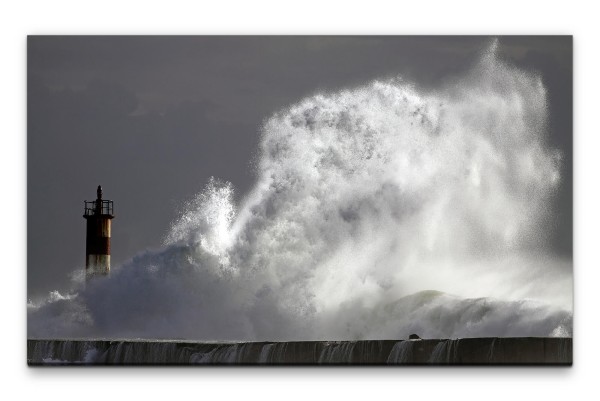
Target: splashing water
{"type": "Point", "coordinates": [207, 220]}
{"type": "Point", "coordinates": [363, 197]}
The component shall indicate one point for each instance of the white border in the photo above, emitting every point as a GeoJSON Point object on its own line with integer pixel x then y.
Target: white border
{"type": "Point", "coordinates": [19, 19]}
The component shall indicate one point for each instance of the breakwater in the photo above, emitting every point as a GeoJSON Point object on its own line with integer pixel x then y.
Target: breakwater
{"type": "Point", "coordinates": [467, 351]}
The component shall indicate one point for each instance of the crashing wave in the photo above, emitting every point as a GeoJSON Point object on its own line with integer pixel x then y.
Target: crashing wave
{"type": "Point", "coordinates": [363, 197]}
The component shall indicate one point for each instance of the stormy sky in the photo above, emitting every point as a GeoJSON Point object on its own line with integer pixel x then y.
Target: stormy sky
{"type": "Point", "coordinates": [152, 118]}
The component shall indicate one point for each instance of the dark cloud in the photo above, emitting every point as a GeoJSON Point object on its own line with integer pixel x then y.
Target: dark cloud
{"type": "Point", "coordinates": [152, 118]}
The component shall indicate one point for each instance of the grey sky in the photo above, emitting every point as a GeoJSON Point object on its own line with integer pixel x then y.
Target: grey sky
{"type": "Point", "coordinates": [152, 118]}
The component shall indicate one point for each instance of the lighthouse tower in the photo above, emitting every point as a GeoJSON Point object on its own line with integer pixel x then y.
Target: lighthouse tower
{"type": "Point", "coordinates": [98, 214]}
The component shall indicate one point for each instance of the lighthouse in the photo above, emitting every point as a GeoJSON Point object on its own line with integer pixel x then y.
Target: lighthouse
{"type": "Point", "coordinates": [98, 215]}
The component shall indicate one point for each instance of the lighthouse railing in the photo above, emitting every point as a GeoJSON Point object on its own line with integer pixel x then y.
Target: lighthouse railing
{"type": "Point", "coordinates": [98, 207]}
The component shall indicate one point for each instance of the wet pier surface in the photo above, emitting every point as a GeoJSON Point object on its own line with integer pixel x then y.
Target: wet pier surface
{"type": "Point", "coordinates": [467, 351]}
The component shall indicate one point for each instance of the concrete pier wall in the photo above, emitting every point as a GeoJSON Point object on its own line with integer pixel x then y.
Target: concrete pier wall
{"type": "Point", "coordinates": [468, 351]}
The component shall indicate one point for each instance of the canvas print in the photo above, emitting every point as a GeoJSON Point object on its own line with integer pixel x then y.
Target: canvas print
{"type": "Point", "coordinates": [286, 200]}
